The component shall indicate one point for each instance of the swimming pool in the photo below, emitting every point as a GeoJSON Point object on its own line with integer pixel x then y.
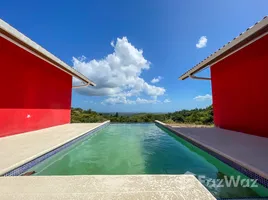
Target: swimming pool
{"type": "Point", "coordinates": [143, 149]}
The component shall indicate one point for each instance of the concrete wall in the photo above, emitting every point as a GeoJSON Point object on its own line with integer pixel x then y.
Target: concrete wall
{"type": "Point", "coordinates": [240, 90]}
{"type": "Point", "coordinates": [34, 94]}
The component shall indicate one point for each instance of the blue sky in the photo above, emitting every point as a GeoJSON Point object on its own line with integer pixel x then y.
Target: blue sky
{"type": "Point", "coordinates": [124, 45]}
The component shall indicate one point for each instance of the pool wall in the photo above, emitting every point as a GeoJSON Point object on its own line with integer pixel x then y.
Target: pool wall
{"type": "Point", "coordinates": [261, 180]}
{"type": "Point", "coordinates": [23, 168]}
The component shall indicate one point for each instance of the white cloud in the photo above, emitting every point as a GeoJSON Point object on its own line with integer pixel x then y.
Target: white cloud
{"type": "Point", "coordinates": [146, 101]}
{"type": "Point", "coordinates": [87, 101]}
{"type": "Point", "coordinates": [124, 100]}
{"type": "Point", "coordinates": [117, 100]}
{"type": "Point", "coordinates": [203, 98]}
{"type": "Point", "coordinates": [166, 101]}
{"type": "Point", "coordinates": [118, 74]}
{"type": "Point", "coordinates": [202, 42]}
{"type": "Point", "coordinates": [156, 80]}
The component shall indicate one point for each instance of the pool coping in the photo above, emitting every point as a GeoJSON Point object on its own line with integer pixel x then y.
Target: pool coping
{"type": "Point", "coordinates": [22, 166]}
{"type": "Point", "coordinates": [183, 186]}
{"type": "Point", "coordinates": [249, 171]}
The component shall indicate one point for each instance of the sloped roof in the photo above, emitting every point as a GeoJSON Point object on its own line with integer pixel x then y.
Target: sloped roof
{"type": "Point", "coordinates": [253, 33]}
{"type": "Point", "coordinates": [19, 39]}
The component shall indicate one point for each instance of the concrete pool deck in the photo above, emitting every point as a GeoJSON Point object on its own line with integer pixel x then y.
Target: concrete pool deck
{"type": "Point", "coordinates": [182, 187]}
{"type": "Point", "coordinates": [18, 149]}
{"type": "Point", "coordinates": [248, 151]}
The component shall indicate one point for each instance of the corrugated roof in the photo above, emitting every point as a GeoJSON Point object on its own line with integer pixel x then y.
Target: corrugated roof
{"type": "Point", "coordinates": [16, 37]}
{"type": "Point", "coordinates": [251, 34]}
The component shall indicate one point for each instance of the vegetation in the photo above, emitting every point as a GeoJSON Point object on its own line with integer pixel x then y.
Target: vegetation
{"type": "Point", "coordinates": [78, 115]}
{"type": "Point", "coordinates": [195, 116]}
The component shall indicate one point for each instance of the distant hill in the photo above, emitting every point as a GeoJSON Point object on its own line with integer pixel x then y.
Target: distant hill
{"type": "Point", "coordinates": [195, 116]}
{"type": "Point", "coordinates": [128, 113]}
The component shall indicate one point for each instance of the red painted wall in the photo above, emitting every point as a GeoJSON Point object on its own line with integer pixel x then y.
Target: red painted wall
{"type": "Point", "coordinates": [34, 94]}
{"type": "Point", "coordinates": [240, 90]}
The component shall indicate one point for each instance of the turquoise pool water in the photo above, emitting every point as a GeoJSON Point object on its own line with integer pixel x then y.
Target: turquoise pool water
{"type": "Point", "coordinates": [143, 149]}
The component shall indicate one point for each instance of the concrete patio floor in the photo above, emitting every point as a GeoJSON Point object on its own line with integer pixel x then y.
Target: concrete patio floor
{"type": "Point", "coordinates": [18, 149]}
{"type": "Point", "coordinates": [145, 187]}
{"type": "Point", "coordinates": [247, 150]}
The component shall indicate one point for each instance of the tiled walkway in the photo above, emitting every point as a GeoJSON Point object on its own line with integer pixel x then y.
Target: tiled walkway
{"type": "Point", "coordinates": [180, 187]}
{"type": "Point", "coordinates": [247, 150]}
{"type": "Point", "coordinates": [19, 149]}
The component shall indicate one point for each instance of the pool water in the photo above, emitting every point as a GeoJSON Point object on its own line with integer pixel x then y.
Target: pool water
{"type": "Point", "coordinates": [121, 149]}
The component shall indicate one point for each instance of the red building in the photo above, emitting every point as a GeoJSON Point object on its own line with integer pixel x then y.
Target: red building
{"type": "Point", "coordinates": [36, 86]}
{"type": "Point", "coordinates": [239, 81]}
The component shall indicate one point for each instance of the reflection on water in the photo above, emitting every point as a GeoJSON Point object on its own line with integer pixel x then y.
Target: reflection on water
{"type": "Point", "coordinates": [138, 149]}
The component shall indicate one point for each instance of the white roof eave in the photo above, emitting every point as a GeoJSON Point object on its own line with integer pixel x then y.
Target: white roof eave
{"type": "Point", "coordinates": [43, 53]}
{"type": "Point", "coordinates": [210, 60]}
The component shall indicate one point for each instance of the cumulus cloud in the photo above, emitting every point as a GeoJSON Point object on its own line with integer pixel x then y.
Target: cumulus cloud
{"type": "Point", "coordinates": [117, 100]}
{"type": "Point", "coordinates": [166, 101]}
{"type": "Point", "coordinates": [202, 42]}
{"type": "Point", "coordinates": [146, 101]}
{"type": "Point", "coordinates": [124, 100]}
{"type": "Point", "coordinates": [118, 75]}
{"type": "Point", "coordinates": [87, 101]}
{"type": "Point", "coordinates": [156, 80]}
{"type": "Point", "coordinates": [203, 98]}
